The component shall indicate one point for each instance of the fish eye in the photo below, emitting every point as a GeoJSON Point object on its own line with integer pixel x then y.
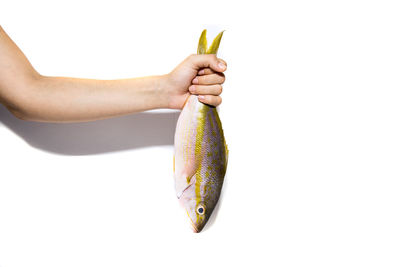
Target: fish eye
{"type": "Point", "coordinates": [200, 210]}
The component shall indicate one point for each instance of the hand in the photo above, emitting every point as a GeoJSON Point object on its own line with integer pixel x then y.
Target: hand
{"type": "Point", "coordinates": [31, 96]}
{"type": "Point", "coordinates": [199, 75]}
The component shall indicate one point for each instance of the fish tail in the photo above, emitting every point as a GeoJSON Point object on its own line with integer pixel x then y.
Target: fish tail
{"type": "Point", "coordinates": [213, 49]}
{"type": "Point", "coordinates": [202, 47]}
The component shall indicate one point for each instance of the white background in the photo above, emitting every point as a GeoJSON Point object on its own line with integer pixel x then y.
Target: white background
{"type": "Point", "coordinates": [311, 115]}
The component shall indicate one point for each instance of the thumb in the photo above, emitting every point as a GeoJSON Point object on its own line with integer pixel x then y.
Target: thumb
{"type": "Point", "coordinates": [207, 61]}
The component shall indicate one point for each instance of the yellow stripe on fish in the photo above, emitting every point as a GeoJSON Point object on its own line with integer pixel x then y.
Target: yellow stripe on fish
{"type": "Point", "coordinates": [200, 159]}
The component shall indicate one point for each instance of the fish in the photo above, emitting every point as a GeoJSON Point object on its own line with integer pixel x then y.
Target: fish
{"type": "Point", "coordinates": [200, 153]}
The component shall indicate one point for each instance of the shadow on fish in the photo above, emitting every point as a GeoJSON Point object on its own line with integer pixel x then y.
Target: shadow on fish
{"type": "Point", "coordinates": [201, 153]}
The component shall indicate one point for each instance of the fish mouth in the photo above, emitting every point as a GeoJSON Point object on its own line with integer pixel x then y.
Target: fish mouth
{"type": "Point", "coordinates": [194, 228]}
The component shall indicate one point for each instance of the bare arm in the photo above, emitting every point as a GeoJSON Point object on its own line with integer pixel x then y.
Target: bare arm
{"type": "Point", "coordinates": [31, 96]}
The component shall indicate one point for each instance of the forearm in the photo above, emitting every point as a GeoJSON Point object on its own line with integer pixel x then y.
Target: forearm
{"type": "Point", "coordinates": [31, 96]}
{"type": "Point", "coordinates": [59, 99]}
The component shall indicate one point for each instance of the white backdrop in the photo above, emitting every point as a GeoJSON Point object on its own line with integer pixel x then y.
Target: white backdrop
{"type": "Point", "coordinates": [310, 112]}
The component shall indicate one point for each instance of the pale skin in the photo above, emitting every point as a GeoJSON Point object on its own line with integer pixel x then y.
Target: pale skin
{"type": "Point", "coordinates": [31, 96]}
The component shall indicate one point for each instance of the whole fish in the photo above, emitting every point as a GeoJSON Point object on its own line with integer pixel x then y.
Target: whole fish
{"type": "Point", "coordinates": [201, 154]}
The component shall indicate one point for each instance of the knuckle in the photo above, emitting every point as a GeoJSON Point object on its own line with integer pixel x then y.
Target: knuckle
{"type": "Point", "coordinates": [218, 78]}
{"type": "Point", "coordinates": [211, 79]}
{"type": "Point", "coordinates": [211, 100]}
{"type": "Point", "coordinates": [204, 89]}
{"type": "Point", "coordinates": [212, 57]}
{"type": "Point", "coordinates": [215, 100]}
{"type": "Point", "coordinates": [214, 80]}
{"type": "Point", "coordinates": [202, 79]}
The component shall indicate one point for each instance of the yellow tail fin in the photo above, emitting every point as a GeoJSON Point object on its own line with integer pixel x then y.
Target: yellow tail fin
{"type": "Point", "coordinates": [213, 49]}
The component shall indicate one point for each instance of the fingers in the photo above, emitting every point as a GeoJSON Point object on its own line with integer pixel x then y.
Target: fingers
{"type": "Point", "coordinates": [215, 78]}
{"type": "Point", "coordinates": [210, 100]}
{"type": "Point", "coordinates": [207, 61]}
{"type": "Point", "coordinates": [207, 85]}
{"type": "Point", "coordinates": [215, 89]}
{"type": "Point", "coordinates": [207, 94]}
{"type": "Point", "coordinates": [206, 71]}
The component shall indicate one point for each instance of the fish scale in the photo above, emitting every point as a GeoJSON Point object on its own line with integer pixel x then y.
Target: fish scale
{"type": "Point", "coordinates": [200, 158]}
{"type": "Point", "coordinates": [212, 166]}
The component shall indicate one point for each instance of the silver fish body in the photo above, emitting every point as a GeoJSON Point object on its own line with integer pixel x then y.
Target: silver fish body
{"type": "Point", "coordinates": [200, 161]}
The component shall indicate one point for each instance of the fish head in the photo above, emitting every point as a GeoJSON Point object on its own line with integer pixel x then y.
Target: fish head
{"type": "Point", "coordinates": [197, 212]}
{"type": "Point", "coordinates": [198, 208]}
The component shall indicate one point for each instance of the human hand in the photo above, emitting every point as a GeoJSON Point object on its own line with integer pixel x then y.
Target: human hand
{"type": "Point", "coordinates": [200, 75]}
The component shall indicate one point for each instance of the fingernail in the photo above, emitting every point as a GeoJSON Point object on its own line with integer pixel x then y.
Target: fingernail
{"type": "Point", "coordinates": [195, 80]}
{"type": "Point", "coordinates": [201, 72]}
{"type": "Point", "coordinates": [221, 66]}
{"type": "Point", "coordinates": [191, 88]}
{"type": "Point", "coordinates": [201, 97]}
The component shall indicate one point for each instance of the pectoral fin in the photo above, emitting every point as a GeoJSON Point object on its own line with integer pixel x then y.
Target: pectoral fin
{"type": "Point", "coordinates": [182, 184]}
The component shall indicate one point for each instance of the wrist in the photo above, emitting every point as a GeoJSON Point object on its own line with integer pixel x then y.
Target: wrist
{"type": "Point", "coordinates": [152, 90]}
{"type": "Point", "coordinates": [164, 90]}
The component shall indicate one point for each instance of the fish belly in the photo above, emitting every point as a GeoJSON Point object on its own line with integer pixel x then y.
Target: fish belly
{"type": "Point", "coordinates": [200, 153]}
